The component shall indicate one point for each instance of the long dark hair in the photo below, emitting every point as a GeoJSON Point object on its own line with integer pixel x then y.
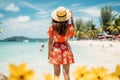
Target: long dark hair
{"type": "Point", "coordinates": [60, 27]}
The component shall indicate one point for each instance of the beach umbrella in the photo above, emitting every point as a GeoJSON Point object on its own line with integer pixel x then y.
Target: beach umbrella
{"type": "Point", "coordinates": [109, 36]}
{"type": "Point", "coordinates": [118, 36]}
{"type": "Point", "coordinates": [101, 37]}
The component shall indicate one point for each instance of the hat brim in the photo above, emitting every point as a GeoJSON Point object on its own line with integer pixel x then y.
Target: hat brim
{"type": "Point", "coordinates": [61, 19]}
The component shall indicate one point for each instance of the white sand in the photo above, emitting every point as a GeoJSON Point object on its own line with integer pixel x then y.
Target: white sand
{"type": "Point", "coordinates": [111, 46]}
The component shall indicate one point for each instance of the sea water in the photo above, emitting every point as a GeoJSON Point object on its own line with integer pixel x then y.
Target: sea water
{"type": "Point", "coordinates": [29, 53]}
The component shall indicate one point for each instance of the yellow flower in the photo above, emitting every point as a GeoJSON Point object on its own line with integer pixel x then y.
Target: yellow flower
{"type": "Point", "coordinates": [80, 72]}
{"type": "Point", "coordinates": [111, 78]}
{"type": "Point", "coordinates": [99, 73]}
{"type": "Point", "coordinates": [48, 76]}
{"type": "Point", "coordinates": [20, 72]}
{"type": "Point", "coordinates": [117, 72]}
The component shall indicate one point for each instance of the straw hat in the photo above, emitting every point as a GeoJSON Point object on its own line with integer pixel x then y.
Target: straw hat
{"type": "Point", "coordinates": [61, 14]}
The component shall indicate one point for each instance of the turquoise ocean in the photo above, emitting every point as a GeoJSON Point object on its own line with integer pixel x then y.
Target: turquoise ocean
{"type": "Point", "coordinates": [29, 52]}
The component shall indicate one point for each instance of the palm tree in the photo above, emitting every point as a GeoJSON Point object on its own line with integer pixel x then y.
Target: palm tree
{"type": "Point", "coordinates": [79, 34]}
{"type": "Point", "coordinates": [106, 16]}
{"type": "Point", "coordinates": [117, 21]}
{"type": "Point", "coordinates": [114, 27]}
{"type": "Point", "coordinates": [79, 29]}
{"type": "Point", "coordinates": [91, 31]}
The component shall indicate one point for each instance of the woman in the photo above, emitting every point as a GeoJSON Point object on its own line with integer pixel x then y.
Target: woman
{"type": "Point", "coordinates": [59, 50]}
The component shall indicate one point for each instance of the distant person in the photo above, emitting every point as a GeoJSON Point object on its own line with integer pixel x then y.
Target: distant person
{"type": "Point", "coordinates": [59, 50]}
{"type": "Point", "coordinates": [103, 46]}
{"type": "Point", "coordinates": [110, 45]}
{"type": "Point", "coordinates": [91, 44]}
{"type": "Point", "coordinates": [42, 46]}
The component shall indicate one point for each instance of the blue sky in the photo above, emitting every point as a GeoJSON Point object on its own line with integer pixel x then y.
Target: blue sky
{"type": "Point", "coordinates": [31, 18]}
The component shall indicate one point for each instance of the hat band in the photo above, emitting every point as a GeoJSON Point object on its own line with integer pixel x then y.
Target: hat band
{"type": "Point", "coordinates": [62, 16]}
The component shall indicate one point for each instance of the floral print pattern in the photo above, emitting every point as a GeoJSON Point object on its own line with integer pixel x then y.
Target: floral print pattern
{"type": "Point", "coordinates": [61, 53]}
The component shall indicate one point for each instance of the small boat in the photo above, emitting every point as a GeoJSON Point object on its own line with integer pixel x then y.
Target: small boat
{"type": "Point", "coordinates": [25, 40]}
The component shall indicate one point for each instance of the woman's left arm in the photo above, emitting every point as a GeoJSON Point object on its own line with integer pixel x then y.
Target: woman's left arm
{"type": "Point", "coordinates": [50, 43]}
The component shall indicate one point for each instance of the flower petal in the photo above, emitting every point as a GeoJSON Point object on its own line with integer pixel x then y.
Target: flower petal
{"type": "Point", "coordinates": [13, 69]}
{"type": "Point", "coordinates": [13, 78]}
{"type": "Point", "coordinates": [22, 68]}
{"type": "Point", "coordinates": [29, 74]}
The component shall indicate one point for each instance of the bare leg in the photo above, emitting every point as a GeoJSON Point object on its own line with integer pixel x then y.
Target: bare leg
{"type": "Point", "coordinates": [66, 68]}
{"type": "Point", "coordinates": [56, 72]}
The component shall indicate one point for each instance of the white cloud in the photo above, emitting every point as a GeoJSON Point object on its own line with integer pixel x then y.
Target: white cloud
{"type": "Point", "coordinates": [20, 19]}
{"type": "Point", "coordinates": [12, 7]}
{"type": "Point", "coordinates": [1, 15]}
{"type": "Point", "coordinates": [115, 12]}
{"type": "Point", "coordinates": [112, 3]}
{"type": "Point", "coordinates": [75, 5]}
{"type": "Point", "coordinates": [35, 29]}
{"type": "Point", "coordinates": [39, 6]}
{"type": "Point", "coordinates": [41, 12]}
{"type": "Point", "coordinates": [31, 6]}
{"type": "Point", "coordinates": [94, 12]}
{"type": "Point", "coordinates": [85, 18]}
{"type": "Point", "coordinates": [116, 4]}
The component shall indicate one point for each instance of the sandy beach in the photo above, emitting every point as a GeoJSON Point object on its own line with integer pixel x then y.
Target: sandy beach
{"type": "Point", "coordinates": [110, 46]}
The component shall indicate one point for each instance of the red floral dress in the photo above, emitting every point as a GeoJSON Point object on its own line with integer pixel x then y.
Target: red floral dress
{"type": "Point", "coordinates": [61, 52]}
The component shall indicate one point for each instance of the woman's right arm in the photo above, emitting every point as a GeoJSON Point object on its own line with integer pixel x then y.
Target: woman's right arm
{"type": "Point", "coordinates": [72, 21]}
{"type": "Point", "coordinates": [71, 28]}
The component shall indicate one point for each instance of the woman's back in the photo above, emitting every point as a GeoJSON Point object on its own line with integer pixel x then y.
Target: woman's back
{"type": "Point", "coordinates": [61, 32]}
